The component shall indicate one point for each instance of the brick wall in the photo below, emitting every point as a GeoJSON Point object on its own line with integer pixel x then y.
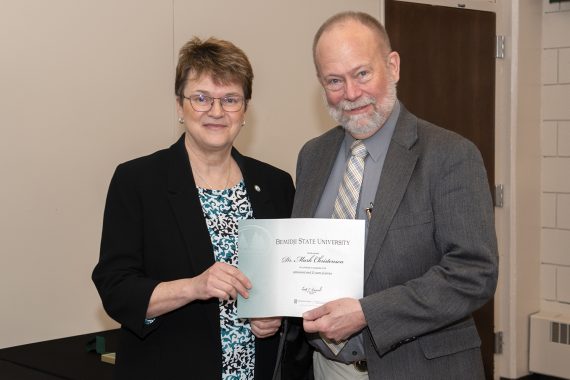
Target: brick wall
{"type": "Point", "coordinates": [555, 148]}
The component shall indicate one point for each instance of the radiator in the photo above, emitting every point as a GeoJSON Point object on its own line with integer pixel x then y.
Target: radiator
{"type": "Point", "coordinates": [550, 344]}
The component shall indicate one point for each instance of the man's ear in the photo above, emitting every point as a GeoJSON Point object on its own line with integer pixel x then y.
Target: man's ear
{"type": "Point", "coordinates": [394, 65]}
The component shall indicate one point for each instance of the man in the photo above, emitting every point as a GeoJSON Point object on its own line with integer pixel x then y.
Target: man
{"type": "Point", "coordinates": [430, 256]}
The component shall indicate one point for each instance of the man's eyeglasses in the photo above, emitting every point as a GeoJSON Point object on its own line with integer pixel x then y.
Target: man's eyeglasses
{"type": "Point", "coordinates": [204, 103]}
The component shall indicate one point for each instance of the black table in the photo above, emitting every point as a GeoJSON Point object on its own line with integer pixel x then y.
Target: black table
{"type": "Point", "coordinates": [64, 358]}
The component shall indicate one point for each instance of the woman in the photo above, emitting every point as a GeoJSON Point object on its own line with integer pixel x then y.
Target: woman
{"type": "Point", "coordinates": [167, 271]}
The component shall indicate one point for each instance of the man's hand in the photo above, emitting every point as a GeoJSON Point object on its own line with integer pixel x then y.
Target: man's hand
{"type": "Point", "coordinates": [336, 320]}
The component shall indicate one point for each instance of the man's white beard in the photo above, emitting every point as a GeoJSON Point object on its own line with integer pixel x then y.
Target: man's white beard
{"type": "Point", "coordinates": [365, 124]}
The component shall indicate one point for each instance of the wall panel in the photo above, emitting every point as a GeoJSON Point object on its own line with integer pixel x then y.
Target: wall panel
{"type": "Point", "coordinates": [84, 85]}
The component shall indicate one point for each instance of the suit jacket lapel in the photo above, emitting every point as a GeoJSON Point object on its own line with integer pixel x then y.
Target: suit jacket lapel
{"type": "Point", "coordinates": [317, 168]}
{"type": "Point", "coordinates": [398, 168]}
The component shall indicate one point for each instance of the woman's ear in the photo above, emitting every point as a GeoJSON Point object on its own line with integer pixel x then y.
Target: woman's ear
{"type": "Point", "coordinates": [179, 107]}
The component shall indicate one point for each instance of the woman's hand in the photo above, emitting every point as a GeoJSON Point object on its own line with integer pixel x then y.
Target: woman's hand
{"type": "Point", "coordinates": [265, 327]}
{"type": "Point", "coordinates": [222, 281]}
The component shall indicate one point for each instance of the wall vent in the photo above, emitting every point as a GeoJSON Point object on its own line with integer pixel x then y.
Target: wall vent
{"type": "Point", "coordinates": [550, 344]}
{"type": "Point", "coordinates": [559, 333]}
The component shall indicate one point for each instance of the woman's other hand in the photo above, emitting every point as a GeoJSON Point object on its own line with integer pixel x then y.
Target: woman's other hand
{"type": "Point", "coordinates": [265, 327]}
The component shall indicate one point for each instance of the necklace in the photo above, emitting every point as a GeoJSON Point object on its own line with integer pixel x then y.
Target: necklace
{"type": "Point", "coordinates": [206, 182]}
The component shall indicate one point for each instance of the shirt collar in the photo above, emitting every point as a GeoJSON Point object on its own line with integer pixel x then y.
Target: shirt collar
{"type": "Point", "coordinates": [379, 141]}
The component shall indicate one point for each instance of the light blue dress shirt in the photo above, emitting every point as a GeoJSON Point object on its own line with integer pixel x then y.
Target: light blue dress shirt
{"type": "Point", "coordinates": [377, 147]}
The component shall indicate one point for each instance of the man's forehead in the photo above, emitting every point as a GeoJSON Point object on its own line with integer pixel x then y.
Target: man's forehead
{"type": "Point", "coordinates": [349, 53]}
{"type": "Point", "coordinates": [349, 36]}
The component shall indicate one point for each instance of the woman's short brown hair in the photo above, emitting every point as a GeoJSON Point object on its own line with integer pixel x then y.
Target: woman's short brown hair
{"type": "Point", "coordinates": [222, 60]}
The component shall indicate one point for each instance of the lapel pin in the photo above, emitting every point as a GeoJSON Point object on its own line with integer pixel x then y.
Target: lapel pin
{"type": "Point", "coordinates": [257, 188]}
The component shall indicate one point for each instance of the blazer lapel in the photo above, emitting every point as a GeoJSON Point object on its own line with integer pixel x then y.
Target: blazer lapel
{"type": "Point", "coordinates": [255, 186]}
{"type": "Point", "coordinates": [183, 197]}
{"type": "Point", "coordinates": [185, 204]}
{"type": "Point", "coordinates": [398, 168]}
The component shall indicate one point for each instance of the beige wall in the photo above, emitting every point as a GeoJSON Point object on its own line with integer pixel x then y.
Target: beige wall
{"type": "Point", "coordinates": [85, 85]}
{"type": "Point", "coordinates": [534, 265]}
{"type": "Point", "coordinates": [555, 254]}
{"type": "Point", "coordinates": [525, 133]}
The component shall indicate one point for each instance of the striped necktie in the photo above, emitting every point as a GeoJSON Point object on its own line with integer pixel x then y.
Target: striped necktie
{"type": "Point", "coordinates": [349, 190]}
{"type": "Point", "coordinates": [346, 201]}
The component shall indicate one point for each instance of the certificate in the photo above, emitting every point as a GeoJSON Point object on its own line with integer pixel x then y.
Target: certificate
{"type": "Point", "coordinates": [295, 265]}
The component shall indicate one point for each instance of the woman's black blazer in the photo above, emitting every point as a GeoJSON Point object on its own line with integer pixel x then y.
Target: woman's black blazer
{"type": "Point", "coordinates": [154, 231]}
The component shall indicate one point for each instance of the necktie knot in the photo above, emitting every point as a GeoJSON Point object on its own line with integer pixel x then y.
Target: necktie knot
{"type": "Point", "coordinates": [358, 149]}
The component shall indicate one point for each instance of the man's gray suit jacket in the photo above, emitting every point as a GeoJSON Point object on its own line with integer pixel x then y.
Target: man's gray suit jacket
{"type": "Point", "coordinates": [431, 252]}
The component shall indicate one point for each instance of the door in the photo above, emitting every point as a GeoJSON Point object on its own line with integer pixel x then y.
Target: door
{"type": "Point", "coordinates": [447, 77]}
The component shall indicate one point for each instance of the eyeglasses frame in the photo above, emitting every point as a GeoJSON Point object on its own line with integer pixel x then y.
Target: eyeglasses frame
{"type": "Point", "coordinates": [243, 102]}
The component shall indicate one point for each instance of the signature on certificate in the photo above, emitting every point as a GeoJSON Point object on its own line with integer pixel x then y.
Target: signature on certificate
{"type": "Point", "coordinates": [311, 290]}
